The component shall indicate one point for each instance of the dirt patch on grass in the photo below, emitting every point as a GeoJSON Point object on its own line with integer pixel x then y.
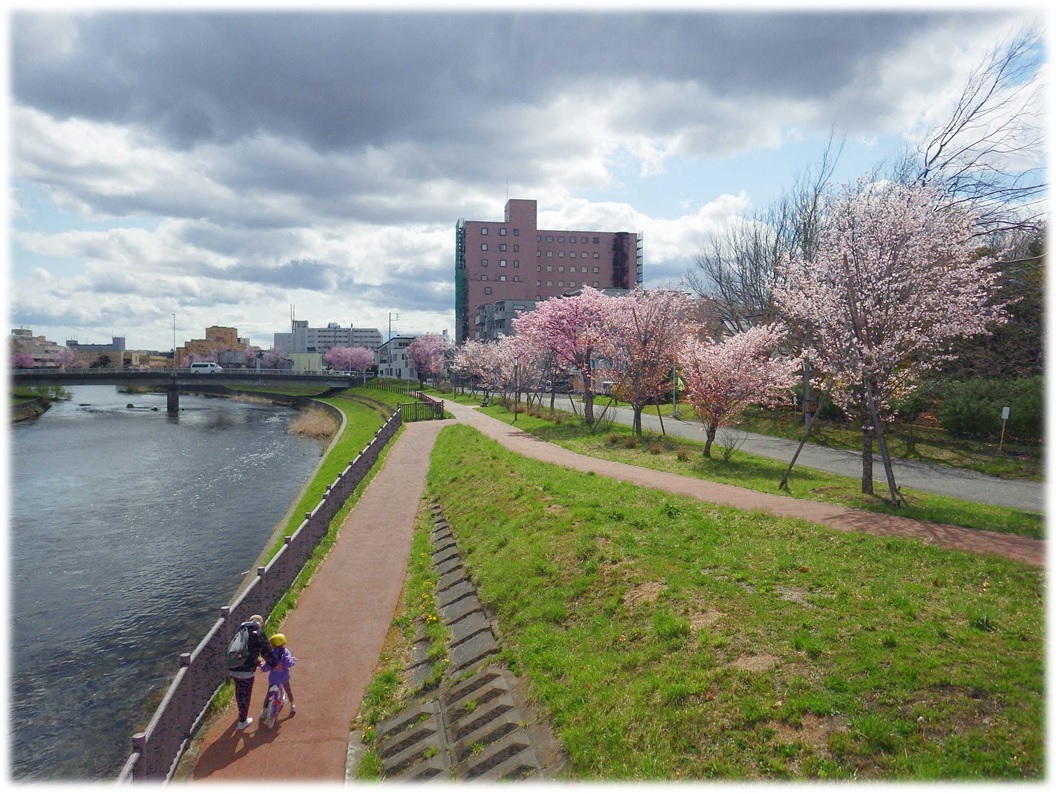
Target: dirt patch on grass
{"type": "Point", "coordinates": [795, 595]}
{"type": "Point", "coordinates": [644, 593]}
{"type": "Point", "coordinates": [814, 731]}
{"type": "Point", "coordinates": [702, 619]}
{"type": "Point", "coordinates": [754, 664]}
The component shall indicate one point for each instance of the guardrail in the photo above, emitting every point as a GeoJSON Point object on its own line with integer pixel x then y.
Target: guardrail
{"type": "Point", "coordinates": [158, 749]}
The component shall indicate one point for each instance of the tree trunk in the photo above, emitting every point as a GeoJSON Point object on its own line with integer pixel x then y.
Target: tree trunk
{"type": "Point", "coordinates": [588, 407]}
{"type": "Point", "coordinates": [637, 425]}
{"type": "Point", "coordinates": [867, 460]}
{"type": "Point", "coordinates": [712, 429]}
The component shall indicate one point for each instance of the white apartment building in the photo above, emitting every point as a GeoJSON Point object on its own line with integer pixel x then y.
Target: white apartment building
{"type": "Point", "coordinates": [304, 339]}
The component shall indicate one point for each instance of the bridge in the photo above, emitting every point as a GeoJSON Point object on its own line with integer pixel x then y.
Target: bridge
{"type": "Point", "coordinates": [175, 380]}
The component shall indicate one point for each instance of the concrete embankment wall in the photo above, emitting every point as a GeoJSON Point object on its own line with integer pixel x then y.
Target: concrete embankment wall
{"type": "Point", "coordinates": [30, 409]}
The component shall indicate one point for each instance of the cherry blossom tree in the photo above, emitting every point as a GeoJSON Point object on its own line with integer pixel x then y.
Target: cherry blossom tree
{"type": "Point", "coordinates": [724, 377]}
{"type": "Point", "coordinates": [64, 358]}
{"type": "Point", "coordinates": [22, 360]}
{"type": "Point", "coordinates": [429, 355]}
{"type": "Point", "coordinates": [273, 358]}
{"type": "Point", "coordinates": [250, 356]}
{"type": "Point", "coordinates": [645, 328]}
{"type": "Point", "coordinates": [339, 358]}
{"type": "Point", "coordinates": [574, 329]}
{"type": "Point", "coordinates": [470, 361]}
{"type": "Point", "coordinates": [360, 359]}
{"type": "Point", "coordinates": [895, 279]}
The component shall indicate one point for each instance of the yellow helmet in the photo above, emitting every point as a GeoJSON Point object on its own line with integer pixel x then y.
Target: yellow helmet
{"type": "Point", "coordinates": [278, 640]}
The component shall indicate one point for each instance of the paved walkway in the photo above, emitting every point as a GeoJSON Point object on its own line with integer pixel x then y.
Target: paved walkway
{"type": "Point", "coordinates": [339, 625]}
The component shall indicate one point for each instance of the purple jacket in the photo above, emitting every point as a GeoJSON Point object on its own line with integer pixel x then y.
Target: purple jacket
{"type": "Point", "coordinates": [280, 655]}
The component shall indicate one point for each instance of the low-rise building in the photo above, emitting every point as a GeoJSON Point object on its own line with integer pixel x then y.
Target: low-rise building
{"type": "Point", "coordinates": [394, 361]}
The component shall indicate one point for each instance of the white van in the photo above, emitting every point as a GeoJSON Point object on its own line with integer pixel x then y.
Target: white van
{"type": "Point", "coordinates": [205, 367]}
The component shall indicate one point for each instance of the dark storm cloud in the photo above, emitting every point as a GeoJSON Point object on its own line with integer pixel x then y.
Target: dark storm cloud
{"type": "Point", "coordinates": [352, 80]}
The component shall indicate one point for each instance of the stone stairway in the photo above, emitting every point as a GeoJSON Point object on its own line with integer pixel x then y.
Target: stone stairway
{"type": "Point", "coordinates": [477, 725]}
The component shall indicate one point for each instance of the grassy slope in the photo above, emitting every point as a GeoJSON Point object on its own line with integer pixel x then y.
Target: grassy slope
{"type": "Point", "coordinates": [676, 640]}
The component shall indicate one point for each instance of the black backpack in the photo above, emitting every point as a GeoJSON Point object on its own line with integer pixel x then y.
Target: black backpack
{"type": "Point", "coordinates": [239, 650]}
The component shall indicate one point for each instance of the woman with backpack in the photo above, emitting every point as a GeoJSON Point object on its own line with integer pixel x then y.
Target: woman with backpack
{"type": "Point", "coordinates": [245, 651]}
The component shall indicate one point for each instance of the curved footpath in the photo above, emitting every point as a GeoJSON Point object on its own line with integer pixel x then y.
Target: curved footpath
{"type": "Point", "coordinates": [340, 622]}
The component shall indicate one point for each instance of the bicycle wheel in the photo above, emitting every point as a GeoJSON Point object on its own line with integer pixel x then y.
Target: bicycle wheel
{"type": "Point", "coordinates": [273, 703]}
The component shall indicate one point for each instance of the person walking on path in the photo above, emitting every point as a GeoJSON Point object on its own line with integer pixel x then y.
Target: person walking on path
{"type": "Point", "coordinates": [340, 623]}
{"type": "Point", "coordinates": [278, 665]}
{"type": "Point", "coordinates": [255, 646]}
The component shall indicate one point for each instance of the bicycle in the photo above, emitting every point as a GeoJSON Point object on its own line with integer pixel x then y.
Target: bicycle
{"type": "Point", "coordinates": [274, 700]}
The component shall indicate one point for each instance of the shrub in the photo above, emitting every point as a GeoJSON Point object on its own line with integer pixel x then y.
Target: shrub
{"type": "Point", "coordinates": [974, 407]}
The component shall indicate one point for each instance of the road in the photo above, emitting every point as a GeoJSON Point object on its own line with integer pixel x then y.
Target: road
{"type": "Point", "coordinates": [926, 477]}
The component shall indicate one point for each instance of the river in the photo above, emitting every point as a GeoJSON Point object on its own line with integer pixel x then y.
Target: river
{"type": "Point", "coordinates": [129, 529]}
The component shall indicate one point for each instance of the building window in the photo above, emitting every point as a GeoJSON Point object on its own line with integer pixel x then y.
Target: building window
{"type": "Point", "coordinates": [596, 240]}
{"type": "Point", "coordinates": [549, 283]}
{"type": "Point", "coordinates": [538, 284]}
{"type": "Point", "coordinates": [560, 254]}
{"type": "Point", "coordinates": [502, 231]}
{"type": "Point", "coordinates": [597, 255]}
{"type": "Point", "coordinates": [571, 283]}
{"type": "Point", "coordinates": [572, 255]}
{"type": "Point", "coordinates": [502, 263]}
{"type": "Point", "coordinates": [549, 268]}
{"type": "Point", "coordinates": [595, 285]}
{"type": "Point", "coordinates": [516, 232]}
{"type": "Point", "coordinates": [582, 239]}
{"type": "Point", "coordinates": [596, 270]}
{"type": "Point", "coordinates": [487, 290]}
{"type": "Point", "coordinates": [516, 247]}
{"type": "Point", "coordinates": [516, 277]}
{"type": "Point", "coordinates": [483, 229]}
{"type": "Point", "coordinates": [561, 269]}
{"type": "Point", "coordinates": [550, 254]}
{"type": "Point", "coordinates": [561, 238]}
{"type": "Point", "coordinates": [483, 276]}
{"type": "Point", "coordinates": [502, 246]}
{"type": "Point", "coordinates": [502, 278]}
{"type": "Point", "coordinates": [560, 283]}
{"type": "Point", "coordinates": [483, 246]}
{"type": "Point", "coordinates": [538, 238]}
{"type": "Point", "coordinates": [549, 238]}
{"type": "Point", "coordinates": [516, 262]}
{"type": "Point", "coordinates": [483, 262]}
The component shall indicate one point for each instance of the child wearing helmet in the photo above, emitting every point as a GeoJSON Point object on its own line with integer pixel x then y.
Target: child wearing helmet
{"type": "Point", "coordinates": [278, 664]}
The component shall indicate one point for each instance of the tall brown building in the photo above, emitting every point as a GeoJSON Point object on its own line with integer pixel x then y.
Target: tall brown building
{"type": "Point", "coordinates": [513, 259]}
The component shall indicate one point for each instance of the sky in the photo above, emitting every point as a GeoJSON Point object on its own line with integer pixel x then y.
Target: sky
{"type": "Point", "coordinates": [244, 164]}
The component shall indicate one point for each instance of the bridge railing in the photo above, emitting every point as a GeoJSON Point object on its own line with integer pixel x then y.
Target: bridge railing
{"type": "Point", "coordinates": [156, 751]}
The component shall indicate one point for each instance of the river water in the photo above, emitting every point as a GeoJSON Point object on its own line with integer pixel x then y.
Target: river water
{"type": "Point", "coordinates": [129, 529]}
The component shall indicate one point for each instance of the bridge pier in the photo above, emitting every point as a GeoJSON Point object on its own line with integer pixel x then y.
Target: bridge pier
{"type": "Point", "coordinates": [172, 401]}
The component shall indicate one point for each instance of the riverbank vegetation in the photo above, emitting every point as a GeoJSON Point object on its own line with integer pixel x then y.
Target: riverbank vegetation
{"type": "Point", "coordinates": [674, 640]}
{"type": "Point", "coordinates": [314, 422]}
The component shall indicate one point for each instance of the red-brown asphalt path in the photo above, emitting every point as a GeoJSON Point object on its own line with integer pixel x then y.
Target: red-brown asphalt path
{"type": "Point", "coordinates": [339, 625]}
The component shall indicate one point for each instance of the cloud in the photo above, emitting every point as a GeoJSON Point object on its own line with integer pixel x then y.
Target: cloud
{"type": "Point", "coordinates": [323, 158]}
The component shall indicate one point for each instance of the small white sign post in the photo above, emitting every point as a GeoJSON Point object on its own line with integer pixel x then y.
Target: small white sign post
{"type": "Point", "coordinates": [1004, 418]}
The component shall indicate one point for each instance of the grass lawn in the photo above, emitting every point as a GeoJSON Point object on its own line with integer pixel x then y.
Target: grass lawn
{"type": "Point", "coordinates": [684, 456]}
{"type": "Point", "coordinates": [674, 640]}
{"type": "Point", "coordinates": [1016, 460]}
